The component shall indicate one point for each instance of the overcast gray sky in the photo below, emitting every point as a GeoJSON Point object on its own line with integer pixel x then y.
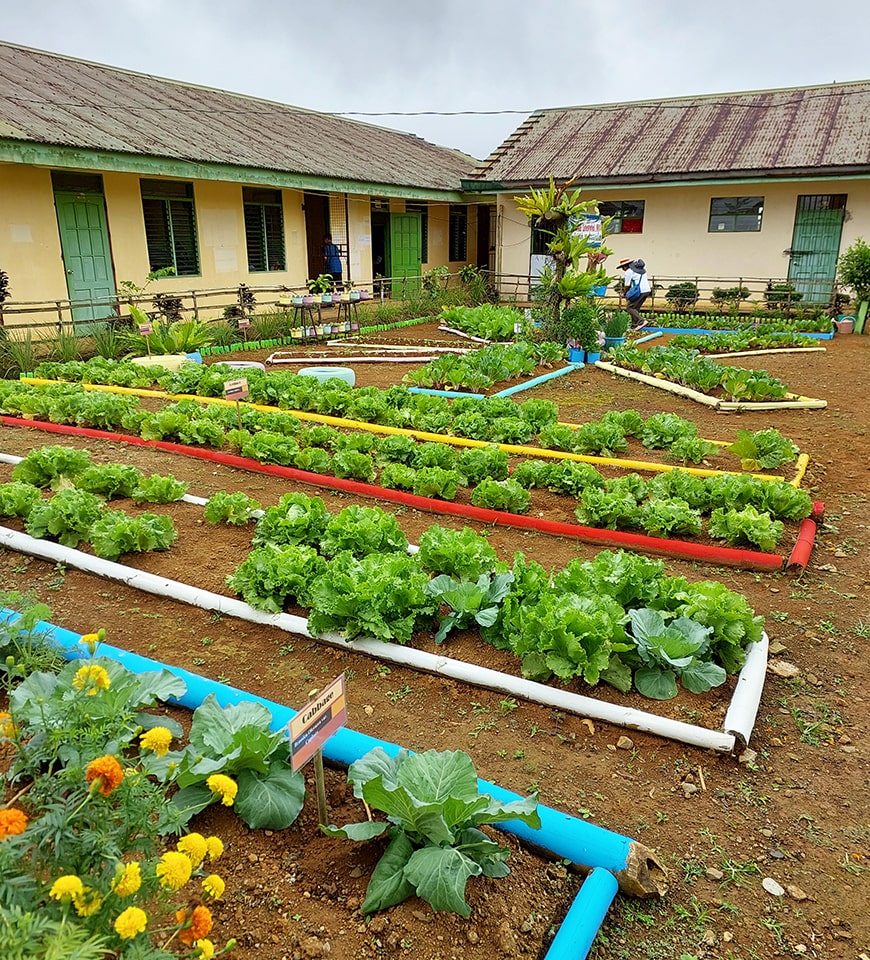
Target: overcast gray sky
{"type": "Point", "coordinates": [458, 55]}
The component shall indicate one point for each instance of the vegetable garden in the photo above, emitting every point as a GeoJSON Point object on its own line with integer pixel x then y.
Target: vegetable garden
{"type": "Point", "coordinates": [669, 635]}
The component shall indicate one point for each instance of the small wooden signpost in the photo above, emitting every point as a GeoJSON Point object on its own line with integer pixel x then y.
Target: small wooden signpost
{"type": "Point", "coordinates": [312, 726]}
{"type": "Point", "coordinates": [236, 390]}
{"type": "Point", "coordinates": [145, 330]}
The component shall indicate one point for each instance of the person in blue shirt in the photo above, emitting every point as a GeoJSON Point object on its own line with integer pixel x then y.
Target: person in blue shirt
{"type": "Point", "coordinates": [332, 260]}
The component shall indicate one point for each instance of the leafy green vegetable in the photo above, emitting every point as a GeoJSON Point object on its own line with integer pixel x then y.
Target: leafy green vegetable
{"type": "Point", "coordinates": [233, 508]}
{"type": "Point", "coordinates": [602, 438]}
{"type": "Point", "coordinates": [295, 518]}
{"type": "Point", "coordinates": [533, 473]}
{"type": "Point", "coordinates": [782, 500]}
{"type": "Point", "coordinates": [67, 517]}
{"type": "Point", "coordinates": [598, 508]}
{"type": "Point", "coordinates": [17, 499]}
{"type": "Point", "coordinates": [397, 476]}
{"type": "Point", "coordinates": [275, 574]}
{"type": "Point", "coordinates": [662, 518]}
{"type": "Point", "coordinates": [483, 463]}
{"type": "Point", "coordinates": [745, 526]}
{"type": "Point", "coordinates": [435, 455]}
{"type": "Point", "coordinates": [571, 477]}
{"type": "Point", "coordinates": [381, 595]}
{"type": "Point", "coordinates": [463, 553]}
{"type": "Point", "coordinates": [159, 489]}
{"type": "Point", "coordinates": [434, 812]}
{"type": "Point", "coordinates": [363, 530]}
{"type": "Point", "coordinates": [694, 449]}
{"type": "Point", "coordinates": [469, 601]}
{"type": "Point", "coordinates": [47, 465]}
{"type": "Point", "coordinates": [663, 429]}
{"type": "Point", "coordinates": [629, 578]}
{"type": "Point", "coordinates": [685, 486]}
{"type": "Point", "coordinates": [763, 450]}
{"type": "Point", "coordinates": [435, 482]}
{"type": "Point", "coordinates": [313, 459]}
{"type": "Point", "coordinates": [116, 533]}
{"type": "Point", "coordinates": [109, 480]}
{"type": "Point", "coordinates": [268, 447]}
{"type": "Point", "coordinates": [352, 465]}
{"type": "Point", "coordinates": [501, 495]}
{"type": "Point", "coordinates": [237, 741]}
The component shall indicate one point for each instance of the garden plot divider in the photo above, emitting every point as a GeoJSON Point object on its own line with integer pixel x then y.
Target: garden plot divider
{"type": "Point", "coordinates": [682, 549]}
{"type": "Point", "coordinates": [793, 401]}
{"type": "Point", "coordinates": [737, 725]}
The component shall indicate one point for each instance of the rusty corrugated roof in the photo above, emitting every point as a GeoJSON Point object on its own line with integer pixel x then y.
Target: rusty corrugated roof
{"type": "Point", "coordinates": [823, 129]}
{"type": "Point", "coordinates": [53, 99]}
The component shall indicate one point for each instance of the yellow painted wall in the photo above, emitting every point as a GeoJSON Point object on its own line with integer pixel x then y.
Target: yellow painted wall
{"type": "Point", "coordinates": [29, 240]}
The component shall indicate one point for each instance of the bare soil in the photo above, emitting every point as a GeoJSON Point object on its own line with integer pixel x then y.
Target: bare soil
{"type": "Point", "coordinates": [798, 814]}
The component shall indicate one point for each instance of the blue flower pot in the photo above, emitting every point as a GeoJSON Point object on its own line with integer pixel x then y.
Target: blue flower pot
{"type": "Point", "coordinates": [593, 356]}
{"type": "Point", "coordinates": [611, 342]}
{"type": "Point", "coordinates": [575, 355]}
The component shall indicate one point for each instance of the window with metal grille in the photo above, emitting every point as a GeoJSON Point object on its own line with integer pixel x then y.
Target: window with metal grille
{"type": "Point", "coordinates": [264, 229]}
{"type": "Point", "coordinates": [423, 210]}
{"type": "Point", "coordinates": [540, 238]}
{"type": "Point", "coordinates": [627, 215]}
{"type": "Point", "coordinates": [735, 214]}
{"type": "Point", "coordinates": [458, 241]}
{"type": "Point", "coordinates": [170, 226]}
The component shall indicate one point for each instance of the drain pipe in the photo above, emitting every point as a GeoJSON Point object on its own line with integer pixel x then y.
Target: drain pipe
{"type": "Point", "coordinates": [393, 653]}
{"type": "Point", "coordinates": [633, 866]}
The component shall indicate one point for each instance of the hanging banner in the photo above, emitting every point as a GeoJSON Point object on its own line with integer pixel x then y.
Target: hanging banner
{"type": "Point", "coordinates": [589, 228]}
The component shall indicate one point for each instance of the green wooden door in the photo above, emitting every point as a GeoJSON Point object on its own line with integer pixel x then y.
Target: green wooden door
{"type": "Point", "coordinates": [815, 246]}
{"type": "Point", "coordinates": [87, 256]}
{"type": "Point", "coordinates": [405, 253]}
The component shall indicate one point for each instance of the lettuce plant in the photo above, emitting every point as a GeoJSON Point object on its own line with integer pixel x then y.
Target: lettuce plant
{"type": "Point", "coordinates": [159, 489]}
{"type": "Point", "coordinates": [44, 467]}
{"type": "Point", "coordinates": [17, 499]}
{"type": "Point", "coordinates": [67, 517]}
{"type": "Point", "coordinates": [295, 518]}
{"type": "Point", "coordinates": [116, 533]}
{"type": "Point", "coordinates": [748, 525]}
{"type": "Point", "coordinates": [109, 479]}
{"type": "Point", "coordinates": [501, 495]}
{"type": "Point", "coordinates": [363, 530]}
{"type": "Point", "coordinates": [463, 553]}
{"type": "Point", "coordinates": [435, 482]}
{"type": "Point", "coordinates": [762, 450]}
{"type": "Point", "coordinates": [434, 813]}
{"type": "Point", "coordinates": [275, 574]}
{"type": "Point", "coordinates": [233, 508]}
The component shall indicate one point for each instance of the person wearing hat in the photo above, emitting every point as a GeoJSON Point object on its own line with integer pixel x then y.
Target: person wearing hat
{"type": "Point", "coordinates": [637, 288]}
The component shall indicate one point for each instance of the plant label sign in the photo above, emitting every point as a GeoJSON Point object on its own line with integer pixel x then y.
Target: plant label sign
{"type": "Point", "coordinates": [244, 323]}
{"type": "Point", "coordinates": [317, 721]}
{"type": "Point", "coordinates": [236, 389]}
{"type": "Point", "coordinates": [145, 329]}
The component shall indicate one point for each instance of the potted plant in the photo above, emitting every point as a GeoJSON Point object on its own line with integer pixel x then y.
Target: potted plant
{"type": "Point", "coordinates": [615, 329]}
{"type": "Point", "coordinates": [321, 286]}
{"type": "Point", "coordinates": [581, 324]}
{"type": "Point", "coordinates": [352, 293]}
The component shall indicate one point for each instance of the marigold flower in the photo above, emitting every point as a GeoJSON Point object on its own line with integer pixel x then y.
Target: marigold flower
{"type": "Point", "coordinates": [12, 821]}
{"type": "Point", "coordinates": [91, 640]}
{"type": "Point", "coordinates": [213, 886]}
{"type": "Point", "coordinates": [157, 740]}
{"type": "Point", "coordinates": [174, 870]}
{"type": "Point", "coordinates": [7, 727]}
{"type": "Point", "coordinates": [91, 677]}
{"type": "Point", "coordinates": [131, 923]}
{"type": "Point", "coordinates": [195, 846]}
{"type": "Point", "coordinates": [128, 880]}
{"type": "Point", "coordinates": [196, 924]}
{"type": "Point", "coordinates": [225, 787]}
{"type": "Point", "coordinates": [206, 949]}
{"type": "Point", "coordinates": [88, 902]}
{"type": "Point", "coordinates": [215, 847]}
{"type": "Point", "coordinates": [67, 887]}
{"type": "Point", "coordinates": [104, 772]}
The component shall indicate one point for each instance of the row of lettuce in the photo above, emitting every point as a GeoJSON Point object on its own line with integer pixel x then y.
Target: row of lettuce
{"type": "Point", "coordinates": [354, 572]}
{"type": "Point", "coordinates": [493, 419]}
{"type": "Point", "coordinates": [743, 509]}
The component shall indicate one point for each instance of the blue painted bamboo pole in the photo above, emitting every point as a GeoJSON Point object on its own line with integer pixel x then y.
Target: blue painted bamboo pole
{"type": "Point", "coordinates": [510, 391]}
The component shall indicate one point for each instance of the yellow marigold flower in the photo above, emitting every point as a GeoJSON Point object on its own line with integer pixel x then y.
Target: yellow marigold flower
{"type": "Point", "coordinates": [128, 880]}
{"type": "Point", "coordinates": [225, 787]}
{"type": "Point", "coordinates": [157, 740]}
{"type": "Point", "coordinates": [12, 821]}
{"type": "Point", "coordinates": [7, 727]}
{"type": "Point", "coordinates": [215, 847]}
{"type": "Point", "coordinates": [213, 886]}
{"type": "Point", "coordinates": [88, 903]}
{"type": "Point", "coordinates": [195, 924]}
{"type": "Point", "coordinates": [174, 870]}
{"type": "Point", "coordinates": [131, 923]}
{"type": "Point", "coordinates": [206, 949]}
{"type": "Point", "coordinates": [104, 772]}
{"type": "Point", "coordinates": [67, 887]}
{"type": "Point", "coordinates": [195, 846]}
{"type": "Point", "coordinates": [90, 640]}
{"type": "Point", "coordinates": [91, 677]}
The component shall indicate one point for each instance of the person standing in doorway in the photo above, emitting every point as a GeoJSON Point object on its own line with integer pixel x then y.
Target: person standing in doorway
{"type": "Point", "coordinates": [637, 288]}
{"type": "Point", "coordinates": [332, 261]}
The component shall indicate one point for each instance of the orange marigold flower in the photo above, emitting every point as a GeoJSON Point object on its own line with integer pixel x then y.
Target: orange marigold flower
{"type": "Point", "coordinates": [12, 822]}
{"type": "Point", "coordinates": [7, 727]}
{"type": "Point", "coordinates": [92, 677]}
{"type": "Point", "coordinates": [104, 772]}
{"type": "Point", "coordinates": [174, 870]}
{"type": "Point", "coordinates": [196, 924]}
